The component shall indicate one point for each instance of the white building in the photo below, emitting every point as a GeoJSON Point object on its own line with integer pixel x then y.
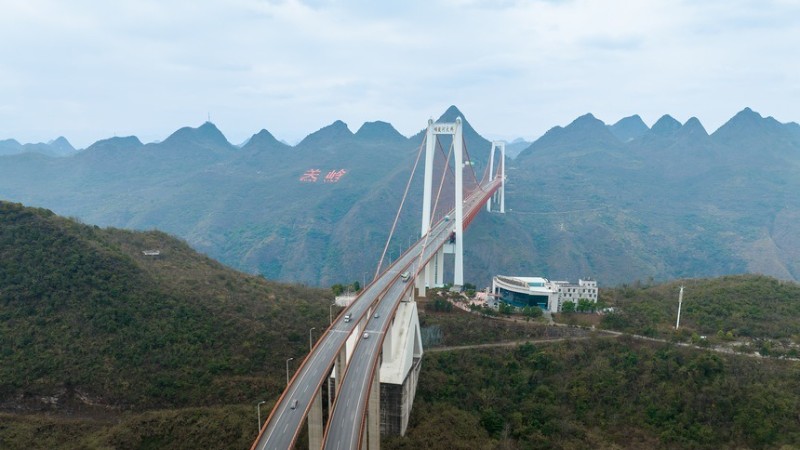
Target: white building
{"type": "Point", "coordinates": [568, 292]}
{"type": "Point", "coordinates": [538, 291]}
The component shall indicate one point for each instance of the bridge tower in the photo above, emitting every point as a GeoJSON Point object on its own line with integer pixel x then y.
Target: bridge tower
{"type": "Point", "coordinates": [500, 196]}
{"type": "Point", "coordinates": [433, 273]}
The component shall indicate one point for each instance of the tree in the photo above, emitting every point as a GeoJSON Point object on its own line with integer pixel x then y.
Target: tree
{"type": "Point", "coordinates": [506, 309]}
{"type": "Point", "coordinates": [531, 312]}
{"type": "Point", "coordinates": [568, 307]}
{"type": "Point", "coordinates": [585, 305]}
{"type": "Point", "coordinates": [441, 305]}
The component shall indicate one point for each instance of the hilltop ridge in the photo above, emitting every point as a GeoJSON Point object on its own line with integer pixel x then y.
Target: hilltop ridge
{"type": "Point", "coordinates": [90, 321]}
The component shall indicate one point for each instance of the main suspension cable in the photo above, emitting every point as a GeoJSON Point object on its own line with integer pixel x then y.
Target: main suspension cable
{"type": "Point", "coordinates": [435, 204]}
{"type": "Point", "coordinates": [399, 210]}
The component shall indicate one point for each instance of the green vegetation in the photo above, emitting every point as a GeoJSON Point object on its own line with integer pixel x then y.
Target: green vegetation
{"type": "Point", "coordinates": [102, 346]}
{"type": "Point", "coordinates": [442, 327]}
{"type": "Point", "coordinates": [602, 393]}
{"type": "Point", "coordinates": [92, 327]}
{"type": "Point", "coordinates": [731, 307]}
{"type": "Point", "coordinates": [339, 289]}
{"type": "Point", "coordinates": [211, 427]}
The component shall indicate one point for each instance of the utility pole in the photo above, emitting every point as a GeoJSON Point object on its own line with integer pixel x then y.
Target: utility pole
{"type": "Point", "coordinates": [287, 371]}
{"type": "Point", "coordinates": [680, 301]}
{"type": "Point", "coordinates": [258, 407]}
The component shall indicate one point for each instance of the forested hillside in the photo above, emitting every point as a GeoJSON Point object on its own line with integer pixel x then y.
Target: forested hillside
{"type": "Point", "coordinates": [745, 312]}
{"type": "Point", "coordinates": [106, 347]}
{"type": "Point", "coordinates": [603, 394]}
{"type": "Point", "coordinates": [90, 322]}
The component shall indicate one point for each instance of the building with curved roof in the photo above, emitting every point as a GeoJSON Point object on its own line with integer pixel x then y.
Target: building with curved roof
{"type": "Point", "coordinates": [537, 291]}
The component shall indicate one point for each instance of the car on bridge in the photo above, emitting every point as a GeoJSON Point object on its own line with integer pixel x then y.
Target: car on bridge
{"type": "Point", "coordinates": [405, 276]}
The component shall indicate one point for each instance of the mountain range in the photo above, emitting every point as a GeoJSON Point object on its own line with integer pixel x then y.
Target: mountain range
{"type": "Point", "coordinates": [615, 202]}
{"type": "Point", "coordinates": [57, 147]}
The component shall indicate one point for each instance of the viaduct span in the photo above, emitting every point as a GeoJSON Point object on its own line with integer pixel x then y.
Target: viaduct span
{"type": "Point", "coordinates": [375, 344]}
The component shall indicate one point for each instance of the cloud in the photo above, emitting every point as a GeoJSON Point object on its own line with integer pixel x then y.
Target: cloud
{"type": "Point", "coordinates": [87, 69]}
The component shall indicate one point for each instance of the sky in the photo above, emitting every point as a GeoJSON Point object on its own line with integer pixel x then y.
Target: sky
{"type": "Point", "coordinates": [89, 70]}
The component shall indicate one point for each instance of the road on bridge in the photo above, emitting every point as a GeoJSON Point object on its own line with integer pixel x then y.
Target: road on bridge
{"type": "Point", "coordinates": [286, 419]}
{"type": "Point", "coordinates": [346, 422]}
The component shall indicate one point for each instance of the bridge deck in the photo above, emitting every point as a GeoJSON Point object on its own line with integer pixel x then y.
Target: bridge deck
{"type": "Point", "coordinates": [384, 293]}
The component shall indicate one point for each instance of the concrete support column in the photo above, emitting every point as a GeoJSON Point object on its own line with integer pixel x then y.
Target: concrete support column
{"type": "Point", "coordinates": [374, 413]}
{"type": "Point", "coordinates": [440, 268]}
{"type": "Point", "coordinates": [330, 395]}
{"type": "Point", "coordinates": [315, 429]}
{"type": "Point", "coordinates": [458, 149]}
{"type": "Point", "coordinates": [341, 364]}
{"type": "Point", "coordinates": [430, 274]}
{"type": "Point", "coordinates": [420, 284]}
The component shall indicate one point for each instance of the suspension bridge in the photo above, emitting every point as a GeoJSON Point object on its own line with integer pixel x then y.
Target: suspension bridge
{"type": "Point", "coordinates": [368, 360]}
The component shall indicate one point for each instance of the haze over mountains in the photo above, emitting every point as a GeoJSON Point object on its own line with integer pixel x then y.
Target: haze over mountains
{"type": "Point", "coordinates": [614, 202]}
{"type": "Point", "coordinates": [57, 147]}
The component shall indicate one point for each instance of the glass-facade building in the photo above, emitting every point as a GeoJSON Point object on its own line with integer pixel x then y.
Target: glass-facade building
{"type": "Point", "coordinates": [536, 291]}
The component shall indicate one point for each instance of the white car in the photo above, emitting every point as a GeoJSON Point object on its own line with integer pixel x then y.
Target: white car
{"type": "Point", "coordinates": [365, 335]}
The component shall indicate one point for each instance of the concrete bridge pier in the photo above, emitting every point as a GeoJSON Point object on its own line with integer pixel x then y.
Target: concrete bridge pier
{"type": "Point", "coordinates": [374, 413]}
{"type": "Point", "coordinates": [315, 425]}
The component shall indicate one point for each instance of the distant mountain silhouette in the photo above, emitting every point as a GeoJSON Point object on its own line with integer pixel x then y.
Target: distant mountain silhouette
{"type": "Point", "coordinates": [515, 147]}
{"type": "Point", "coordinates": [380, 131]}
{"type": "Point", "coordinates": [694, 128]}
{"type": "Point", "coordinates": [57, 147]}
{"type": "Point", "coordinates": [10, 147]}
{"type": "Point", "coordinates": [665, 125]}
{"type": "Point", "coordinates": [617, 203]}
{"type": "Point", "coordinates": [584, 134]}
{"type": "Point", "coordinates": [207, 136]}
{"type": "Point", "coordinates": [116, 144]}
{"type": "Point", "coordinates": [629, 128]}
{"type": "Point", "coordinates": [336, 131]}
{"type": "Point", "coordinates": [263, 141]}
{"type": "Point", "coordinates": [748, 127]}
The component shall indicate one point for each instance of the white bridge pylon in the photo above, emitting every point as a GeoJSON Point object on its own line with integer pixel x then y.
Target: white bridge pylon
{"type": "Point", "coordinates": [500, 195]}
{"type": "Point", "coordinates": [432, 274]}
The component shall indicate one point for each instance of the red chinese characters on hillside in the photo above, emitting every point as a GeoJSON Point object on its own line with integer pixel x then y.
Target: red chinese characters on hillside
{"type": "Point", "coordinates": [312, 175]}
{"type": "Point", "coordinates": [334, 175]}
